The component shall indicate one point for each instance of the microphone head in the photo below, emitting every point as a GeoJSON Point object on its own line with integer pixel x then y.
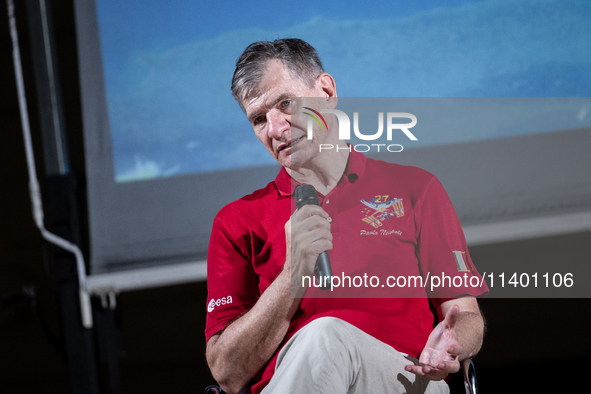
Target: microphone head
{"type": "Point", "coordinates": [306, 195]}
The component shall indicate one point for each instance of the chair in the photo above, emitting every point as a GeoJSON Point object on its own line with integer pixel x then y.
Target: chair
{"type": "Point", "coordinates": [469, 372]}
{"type": "Point", "coordinates": [213, 389]}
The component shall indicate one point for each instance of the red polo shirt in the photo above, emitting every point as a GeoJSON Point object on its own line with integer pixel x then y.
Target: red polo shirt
{"type": "Point", "coordinates": [391, 226]}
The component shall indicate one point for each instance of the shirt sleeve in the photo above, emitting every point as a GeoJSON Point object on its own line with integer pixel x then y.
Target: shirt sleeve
{"type": "Point", "coordinates": [441, 249]}
{"type": "Point", "coordinates": [231, 281]}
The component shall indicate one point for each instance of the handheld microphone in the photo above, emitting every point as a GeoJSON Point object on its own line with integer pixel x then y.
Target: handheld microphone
{"type": "Point", "coordinates": [306, 195]}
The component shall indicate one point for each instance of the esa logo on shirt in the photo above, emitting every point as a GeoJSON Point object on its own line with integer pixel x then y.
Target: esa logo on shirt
{"type": "Point", "coordinates": [220, 301]}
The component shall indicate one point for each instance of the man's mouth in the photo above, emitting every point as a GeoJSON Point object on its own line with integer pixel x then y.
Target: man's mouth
{"type": "Point", "coordinates": [291, 143]}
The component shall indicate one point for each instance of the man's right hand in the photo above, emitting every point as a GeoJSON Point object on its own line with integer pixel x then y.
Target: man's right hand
{"type": "Point", "coordinates": [307, 234]}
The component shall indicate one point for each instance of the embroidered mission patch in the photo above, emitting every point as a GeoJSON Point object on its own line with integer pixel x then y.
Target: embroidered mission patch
{"type": "Point", "coordinates": [380, 208]}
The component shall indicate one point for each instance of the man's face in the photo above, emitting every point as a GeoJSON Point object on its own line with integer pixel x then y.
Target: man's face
{"type": "Point", "coordinates": [270, 114]}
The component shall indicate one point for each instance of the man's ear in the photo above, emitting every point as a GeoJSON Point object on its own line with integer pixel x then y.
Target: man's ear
{"type": "Point", "coordinates": [326, 83]}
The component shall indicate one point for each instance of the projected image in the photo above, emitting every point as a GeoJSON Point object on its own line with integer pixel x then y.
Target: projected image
{"type": "Point", "coordinates": [168, 66]}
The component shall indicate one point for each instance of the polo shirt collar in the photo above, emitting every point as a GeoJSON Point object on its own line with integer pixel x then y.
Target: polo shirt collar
{"type": "Point", "coordinates": [355, 169]}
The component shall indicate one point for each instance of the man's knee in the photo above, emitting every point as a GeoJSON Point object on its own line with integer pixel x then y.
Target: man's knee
{"type": "Point", "coordinates": [330, 328]}
{"type": "Point", "coordinates": [322, 334]}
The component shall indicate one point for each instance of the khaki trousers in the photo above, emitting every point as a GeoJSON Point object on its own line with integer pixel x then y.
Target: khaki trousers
{"type": "Point", "coordinates": [331, 356]}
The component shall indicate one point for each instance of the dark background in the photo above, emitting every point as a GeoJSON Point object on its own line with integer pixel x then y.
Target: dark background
{"type": "Point", "coordinates": [532, 345]}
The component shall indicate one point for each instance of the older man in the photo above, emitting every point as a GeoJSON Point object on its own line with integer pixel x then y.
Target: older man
{"type": "Point", "coordinates": [260, 335]}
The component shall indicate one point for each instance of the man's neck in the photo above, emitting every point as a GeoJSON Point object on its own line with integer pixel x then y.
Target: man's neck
{"type": "Point", "coordinates": [324, 172]}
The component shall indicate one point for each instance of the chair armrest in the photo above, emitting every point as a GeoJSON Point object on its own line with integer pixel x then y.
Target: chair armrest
{"type": "Point", "coordinates": [213, 389]}
{"type": "Point", "coordinates": [469, 371]}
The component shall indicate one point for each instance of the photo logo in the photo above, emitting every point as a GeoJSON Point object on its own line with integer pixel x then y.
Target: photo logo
{"type": "Point", "coordinates": [345, 124]}
{"type": "Point", "coordinates": [316, 119]}
{"type": "Point", "coordinates": [345, 129]}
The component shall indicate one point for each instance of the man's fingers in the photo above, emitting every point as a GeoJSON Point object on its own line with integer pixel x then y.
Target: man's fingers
{"type": "Point", "coordinates": [308, 221]}
{"type": "Point", "coordinates": [455, 350]}
{"type": "Point", "coordinates": [427, 371]}
{"type": "Point", "coordinates": [449, 366]}
{"type": "Point", "coordinates": [310, 210]}
{"type": "Point", "coordinates": [421, 369]}
{"type": "Point", "coordinates": [309, 234]}
{"type": "Point", "coordinates": [416, 369]}
{"type": "Point", "coordinates": [320, 241]}
{"type": "Point", "coordinates": [315, 221]}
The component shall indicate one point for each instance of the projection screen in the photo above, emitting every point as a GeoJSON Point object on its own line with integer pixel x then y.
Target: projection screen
{"type": "Point", "coordinates": [166, 147]}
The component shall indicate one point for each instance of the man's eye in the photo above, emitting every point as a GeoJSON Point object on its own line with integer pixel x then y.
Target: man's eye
{"type": "Point", "coordinates": [286, 103]}
{"type": "Point", "coordinates": [258, 120]}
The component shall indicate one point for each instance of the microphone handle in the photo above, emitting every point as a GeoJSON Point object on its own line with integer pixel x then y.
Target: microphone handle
{"type": "Point", "coordinates": [306, 195]}
{"type": "Point", "coordinates": [323, 271]}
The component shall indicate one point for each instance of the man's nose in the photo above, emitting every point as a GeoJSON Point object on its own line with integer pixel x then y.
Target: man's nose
{"type": "Point", "coordinates": [277, 123]}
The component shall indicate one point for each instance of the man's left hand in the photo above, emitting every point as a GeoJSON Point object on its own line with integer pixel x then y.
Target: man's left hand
{"type": "Point", "coordinates": [440, 355]}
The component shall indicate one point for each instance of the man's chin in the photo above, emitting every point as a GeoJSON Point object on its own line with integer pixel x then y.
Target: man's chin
{"type": "Point", "coordinates": [284, 160]}
{"type": "Point", "coordinates": [296, 159]}
{"type": "Point", "coordinates": [293, 161]}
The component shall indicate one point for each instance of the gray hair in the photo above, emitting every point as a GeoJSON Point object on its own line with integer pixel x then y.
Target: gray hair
{"type": "Point", "coordinates": [301, 60]}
